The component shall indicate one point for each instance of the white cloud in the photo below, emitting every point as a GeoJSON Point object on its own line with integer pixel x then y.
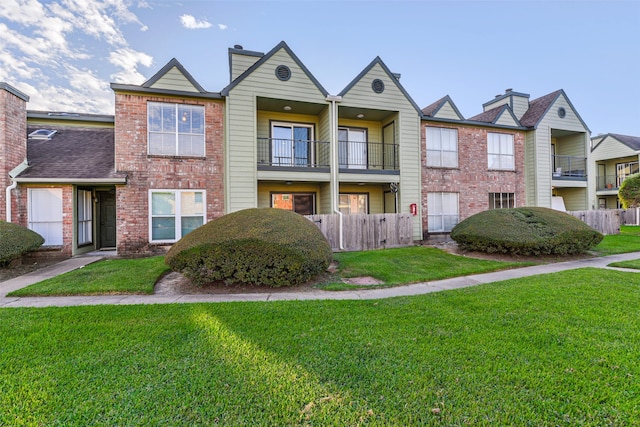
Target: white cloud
{"type": "Point", "coordinates": [223, 26]}
{"type": "Point", "coordinates": [190, 22]}
{"type": "Point", "coordinates": [57, 51]}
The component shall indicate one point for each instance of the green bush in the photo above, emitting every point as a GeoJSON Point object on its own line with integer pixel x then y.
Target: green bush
{"type": "Point", "coordinates": [267, 246]}
{"type": "Point", "coordinates": [16, 240]}
{"type": "Point", "coordinates": [525, 231]}
{"type": "Point", "coordinates": [629, 192]}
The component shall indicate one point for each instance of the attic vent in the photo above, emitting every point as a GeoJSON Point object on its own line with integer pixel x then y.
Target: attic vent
{"type": "Point", "coordinates": [562, 112]}
{"type": "Point", "coordinates": [42, 134]}
{"type": "Point", "coordinates": [283, 73]}
{"type": "Point", "coordinates": [377, 85]}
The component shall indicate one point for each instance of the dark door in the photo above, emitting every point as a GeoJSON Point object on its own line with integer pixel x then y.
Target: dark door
{"type": "Point", "coordinates": [107, 219]}
{"type": "Point", "coordinates": [303, 204]}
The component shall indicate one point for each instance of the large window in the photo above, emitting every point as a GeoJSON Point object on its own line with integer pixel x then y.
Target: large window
{"type": "Point", "coordinates": [45, 214]}
{"type": "Point", "coordinates": [442, 211]}
{"type": "Point", "coordinates": [352, 148]}
{"type": "Point", "coordinates": [291, 144]}
{"type": "Point", "coordinates": [623, 170]}
{"type": "Point", "coordinates": [84, 213]}
{"type": "Point", "coordinates": [354, 203]}
{"type": "Point", "coordinates": [502, 200]}
{"type": "Point", "coordinates": [500, 151]}
{"type": "Point", "coordinates": [175, 213]}
{"type": "Point", "coordinates": [176, 129]}
{"type": "Point", "coordinates": [302, 203]}
{"type": "Point", "coordinates": [442, 147]}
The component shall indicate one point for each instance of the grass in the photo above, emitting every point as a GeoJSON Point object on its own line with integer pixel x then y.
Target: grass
{"type": "Point", "coordinates": [409, 265]}
{"type": "Point", "coordinates": [627, 241]}
{"type": "Point", "coordinates": [108, 277]}
{"type": "Point", "coordinates": [556, 349]}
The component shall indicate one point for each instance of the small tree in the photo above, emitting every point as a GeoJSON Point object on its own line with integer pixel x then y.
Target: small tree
{"type": "Point", "coordinates": [629, 192]}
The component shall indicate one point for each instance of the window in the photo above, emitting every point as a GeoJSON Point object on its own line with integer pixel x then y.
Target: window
{"type": "Point", "coordinates": [291, 144]}
{"type": "Point", "coordinates": [354, 203]}
{"type": "Point", "coordinates": [442, 147]}
{"type": "Point", "coordinates": [501, 200]}
{"type": "Point", "coordinates": [500, 151]}
{"type": "Point", "coordinates": [175, 213]}
{"type": "Point", "coordinates": [442, 211]}
{"type": "Point", "coordinates": [302, 203]}
{"type": "Point", "coordinates": [352, 148]}
{"type": "Point", "coordinates": [623, 170]}
{"type": "Point", "coordinates": [176, 129]}
{"type": "Point", "coordinates": [84, 212]}
{"type": "Point", "coordinates": [45, 214]}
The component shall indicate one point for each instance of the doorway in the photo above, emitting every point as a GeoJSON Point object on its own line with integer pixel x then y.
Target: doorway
{"type": "Point", "coordinates": [107, 203]}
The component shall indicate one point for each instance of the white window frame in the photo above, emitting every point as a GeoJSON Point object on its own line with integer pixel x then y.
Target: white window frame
{"type": "Point", "coordinates": [347, 200]}
{"type": "Point", "coordinates": [438, 154]}
{"type": "Point", "coordinates": [444, 219]}
{"type": "Point", "coordinates": [84, 215]}
{"type": "Point", "coordinates": [277, 146]}
{"type": "Point", "coordinates": [177, 212]}
{"type": "Point", "coordinates": [175, 134]}
{"type": "Point", "coordinates": [502, 200]}
{"type": "Point", "coordinates": [500, 151]}
{"type": "Point", "coordinates": [45, 214]}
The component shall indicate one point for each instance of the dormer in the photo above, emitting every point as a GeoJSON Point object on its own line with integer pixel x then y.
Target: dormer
{"type": "Point", "coordinates": [518, 102]}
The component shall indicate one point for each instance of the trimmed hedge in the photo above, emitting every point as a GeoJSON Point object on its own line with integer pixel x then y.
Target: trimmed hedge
{"type": "Point", "coordinates": [525, 231]}
{"type": "Point", "coordinates": [267, 246]}
{"type": "Point", "coordinates": [16, 240]}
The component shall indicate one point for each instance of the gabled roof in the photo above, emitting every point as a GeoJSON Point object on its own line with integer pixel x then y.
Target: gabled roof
{"type": "Point", "coordinates": [433, 109]}
{"type": "Point", "coordinates": [164, 70]}
{"type": "Point", "coordinates": [148, 86]}
{"type": "Point", "coordinates": [539, 107]}
{"type": "Point", "coordinates": [265, 58]}
{"type": "Point", "coordinates": [632, 142]}
{"type": "Point", "coordinates": [392, 76]}
{"type": "Point", "coordinates": [495, 114]}
{"type": "Point", "coordinates": [77, 155]}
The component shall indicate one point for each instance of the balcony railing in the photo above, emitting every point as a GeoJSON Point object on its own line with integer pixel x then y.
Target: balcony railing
{"type": "Point", "coordinates": [609, 182]}
{"type": "Point", "coordinates": [569, 167]}
{"type": "Point", "coordinates": [352, 155]}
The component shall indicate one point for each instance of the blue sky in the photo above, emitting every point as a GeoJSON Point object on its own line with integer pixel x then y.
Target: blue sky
{"type": "Point", "coordinates": [64, 53]}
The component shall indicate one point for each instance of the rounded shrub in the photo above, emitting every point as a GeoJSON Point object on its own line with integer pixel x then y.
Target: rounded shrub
{"type": "Point", "coordinates": [525, 231]}
{"type": "Point", "coordinates": [16, 240]}
{"type": "Point", "coordinates": [265, 246]}
{"type": "Point", "coordinates": [629, 192]}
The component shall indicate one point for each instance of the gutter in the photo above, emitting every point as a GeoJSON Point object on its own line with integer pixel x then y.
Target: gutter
{"type": "Point", "coordinates": [335, 185]}
{"type": "Point", "coordinates": [73, 180]}
{"type": "Point", "coordinates": [14, 183]}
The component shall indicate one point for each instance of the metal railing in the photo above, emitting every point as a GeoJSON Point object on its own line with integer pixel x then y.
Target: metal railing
{"type": "Point", "coordinates": [609, 182]}
{"type": "Point", "coordinates": [352, 155]}
{"type": "Point", "coordinates": [572, 167]}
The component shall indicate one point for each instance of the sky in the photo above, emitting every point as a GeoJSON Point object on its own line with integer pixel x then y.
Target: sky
{"type": "Point", "coordinates": [64, 54]}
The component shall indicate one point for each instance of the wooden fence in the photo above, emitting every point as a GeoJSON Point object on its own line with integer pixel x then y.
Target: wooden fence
{"type": "Point", "coordinates": [608, 221]}
{"type": "Point", "coordinates": [363, 232]}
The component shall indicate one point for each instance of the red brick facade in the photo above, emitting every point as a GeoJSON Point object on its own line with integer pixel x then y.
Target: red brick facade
{"type": "Point", "coordinates": [146, 172]}
{"type": "Point", "coordinates": [472, 179]}
{"type": "Point", "coordinates": [13, 140]}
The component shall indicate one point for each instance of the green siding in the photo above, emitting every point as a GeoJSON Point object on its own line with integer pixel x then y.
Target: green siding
{"type": "Point", "coordinates": [174, 80]}
{"type": "Point", "coordinates": [506, 119]}
{"type": "Point", "coordinates": [575, 199]}
{"type": "Point", "coordinates": [447, 112]}
{"type": "Point", "coordinates": [610, 148]}
{"type": "Point", "coordinates": [241, 63]}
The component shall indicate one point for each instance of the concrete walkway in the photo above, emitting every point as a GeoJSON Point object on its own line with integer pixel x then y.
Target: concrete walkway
{"type": "Point", "coordinates": [408, 290]}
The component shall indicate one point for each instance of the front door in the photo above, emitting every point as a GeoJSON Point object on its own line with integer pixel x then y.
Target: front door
{"type": "Point", "coordinates": [107, 202]}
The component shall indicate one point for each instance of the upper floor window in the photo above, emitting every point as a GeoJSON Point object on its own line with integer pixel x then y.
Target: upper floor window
{"type": "Point", "coordinates": [442, 147]}
{"type": "Point", "coordinates": [352, 148]}
{"type": "Point", "coordinates": [175, 129]}
{"type": "Point", "coordinates": [500, 151]}
{"type": "Point", "coordinates": [291, 144]}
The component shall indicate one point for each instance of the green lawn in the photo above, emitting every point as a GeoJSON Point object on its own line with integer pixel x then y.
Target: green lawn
{"type": "Point", "coordinates": [107, 277]}
{"type": "Point", "coordinates": [627, 241]}
{"type": "Point", "coordinates": [559, 349]}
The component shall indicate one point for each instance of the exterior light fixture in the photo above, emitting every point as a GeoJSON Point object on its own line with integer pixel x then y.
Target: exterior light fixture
{"type": "Point", "coordinates": [360, 115]}
{"type": "Point", "coordinates": [287, 108]}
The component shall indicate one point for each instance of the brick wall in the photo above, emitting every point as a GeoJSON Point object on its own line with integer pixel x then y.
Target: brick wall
{"type": "Point", "coordinates": [13, 140]}
{"type": "Point", "coordinates": [146, 172]}
{"type": "Point", "coordinates": [472, 179]}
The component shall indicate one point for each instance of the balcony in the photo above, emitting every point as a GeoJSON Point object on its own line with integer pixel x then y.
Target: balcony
{"type": "Point", "coordinates": [569, 168]}
{"type": "Point", "coordinates": [354, 156]}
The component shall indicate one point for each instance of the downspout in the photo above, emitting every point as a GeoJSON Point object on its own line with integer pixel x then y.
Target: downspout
{"type": "Point", "coordinates": [334, 166]}
{"type": "Point", "coordinates": [13, 185]}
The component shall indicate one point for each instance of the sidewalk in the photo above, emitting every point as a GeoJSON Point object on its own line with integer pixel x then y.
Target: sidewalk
{"type": "Point", "coordinates": [408, 290]}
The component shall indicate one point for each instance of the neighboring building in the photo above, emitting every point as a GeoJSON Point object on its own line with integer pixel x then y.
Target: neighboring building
{"type": "Point", "coordinates": [175, 155]}
{"type": "Point", "coordinates": [615, 157]}
{"type": "Point", "coordinates": [469, 166]}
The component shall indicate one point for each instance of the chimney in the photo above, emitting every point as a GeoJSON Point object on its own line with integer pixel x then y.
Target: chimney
{"type": "Point", "coordinates": [240, 60]}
